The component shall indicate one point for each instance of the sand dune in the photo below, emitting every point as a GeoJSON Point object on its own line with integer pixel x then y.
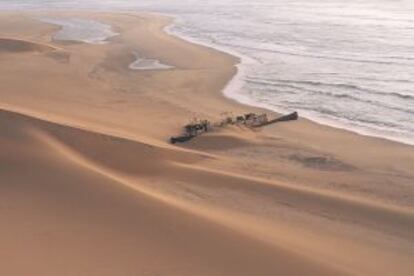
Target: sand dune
{"type": "Point", "coordinates": [18, 45]}
{"type": "Point", "coordinates": [89, 184]}
{"type": "Point", "coordinates": [86, 216]}
{"type": "Point", "coordinates": [92, 172]}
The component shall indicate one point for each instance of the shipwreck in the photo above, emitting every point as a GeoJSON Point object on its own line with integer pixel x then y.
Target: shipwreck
{"type": "Point", "coordinates": [250, 120]}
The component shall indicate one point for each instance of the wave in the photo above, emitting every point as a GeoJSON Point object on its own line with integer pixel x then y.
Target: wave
{"type": "Point", "coordinates": [276, 82]}
{"type": "Point", "coordinates": [370, 103]}
{"type": "Point", "coordinates": [325, 57]}
{"type": "Point", "coordinates": [385, 80]}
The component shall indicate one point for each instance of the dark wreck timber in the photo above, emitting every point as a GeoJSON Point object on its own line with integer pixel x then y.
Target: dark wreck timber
{"type": "Point", "coordinates": [192, 130]}
{"type": "Point", "coordinates": [250, 120]}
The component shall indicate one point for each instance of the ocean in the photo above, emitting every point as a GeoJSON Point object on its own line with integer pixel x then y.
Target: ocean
{"type": "Point", "coordinates": [348, 64]}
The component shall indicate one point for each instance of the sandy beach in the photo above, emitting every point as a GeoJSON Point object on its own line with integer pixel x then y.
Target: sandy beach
{"type": "Point", "coordinates": [90, 185]}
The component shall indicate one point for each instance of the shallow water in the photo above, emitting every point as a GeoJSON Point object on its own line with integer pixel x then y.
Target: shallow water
{"type": "Point", "coordinates": [345, 63]}
{"type": "Point", "coordinates": [142, 63]}
{"type": "Point", "coordinates": [81, 30]}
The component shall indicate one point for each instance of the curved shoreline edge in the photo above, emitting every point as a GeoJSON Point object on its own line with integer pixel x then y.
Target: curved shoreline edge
{"type": "Point", "coordinates": [236, 83]}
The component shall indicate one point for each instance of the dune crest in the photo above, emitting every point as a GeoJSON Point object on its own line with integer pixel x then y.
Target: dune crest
{"type": "Point", "coordinates": [18, 46]}
{"type": "Point", "coordinates": [120, 161]}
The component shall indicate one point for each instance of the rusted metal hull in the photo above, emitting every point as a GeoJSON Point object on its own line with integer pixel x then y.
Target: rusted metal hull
{"type": "Point", "coordinates": [290, 117]}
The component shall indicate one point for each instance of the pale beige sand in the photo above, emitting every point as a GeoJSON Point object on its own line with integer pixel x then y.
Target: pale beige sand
{"type": "Point", "coordinates": [90, 186]}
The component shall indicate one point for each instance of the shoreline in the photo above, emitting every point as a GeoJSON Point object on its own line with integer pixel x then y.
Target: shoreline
{"type": "Point", "coordinates": [234, 82]}
{"type": "Point", "coordinates": [237, 83]}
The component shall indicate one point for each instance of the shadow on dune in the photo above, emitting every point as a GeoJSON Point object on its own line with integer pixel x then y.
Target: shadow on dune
{"type": "Point", "coordinates": [115, 172]}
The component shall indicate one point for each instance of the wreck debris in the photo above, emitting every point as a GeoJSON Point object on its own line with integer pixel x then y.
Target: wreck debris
{"type": "Point", "coordinates": [250, 120]}
{"type": "Point", "coordinates": [191, 130]}
{"type": "Point", "coordinates": [289, 117]}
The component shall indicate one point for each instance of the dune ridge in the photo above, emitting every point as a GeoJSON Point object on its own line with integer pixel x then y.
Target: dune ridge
{"type": "Point", "coordinates": [19, 45]}
{"type": "Point", "coordinates": [41, 134]}
{"type": "Point", "coordinates": [73, 145]}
